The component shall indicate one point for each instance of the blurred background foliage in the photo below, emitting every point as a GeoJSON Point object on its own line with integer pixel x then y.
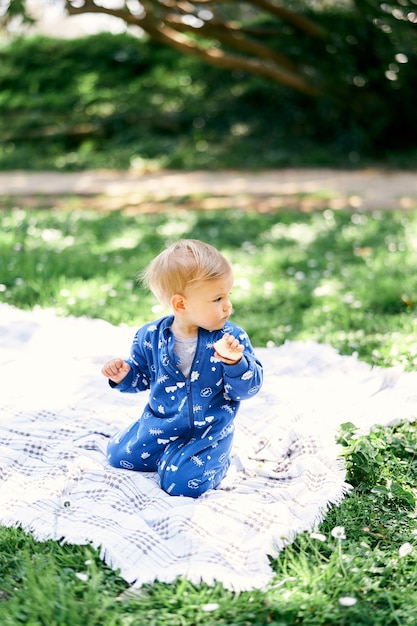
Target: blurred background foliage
{"type": "Point", "coordinates": [121, 101]}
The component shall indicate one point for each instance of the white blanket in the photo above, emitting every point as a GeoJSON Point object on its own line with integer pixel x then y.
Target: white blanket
{"type": "Point", "coordinates": [57, 413]}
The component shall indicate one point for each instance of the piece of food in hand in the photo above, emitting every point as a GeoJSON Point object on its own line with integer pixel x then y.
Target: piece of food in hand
{"type": "Point", "coordinates": [223, 350]}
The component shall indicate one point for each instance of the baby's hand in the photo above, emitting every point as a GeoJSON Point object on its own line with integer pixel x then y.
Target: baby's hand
{"type": "Point", "coordinates": [116, 370]}
{"type": "Point", "coordinates": [228, 349]}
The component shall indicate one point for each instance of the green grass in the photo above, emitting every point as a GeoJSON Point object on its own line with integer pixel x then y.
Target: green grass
{"type": "Point", "coordinates": [343, 278]}
{"type": "Point", "coordinates": [338, 277]}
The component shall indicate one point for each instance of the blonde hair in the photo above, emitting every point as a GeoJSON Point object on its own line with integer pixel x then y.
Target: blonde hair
{"type": "Point", "coordinates": [184, 264]}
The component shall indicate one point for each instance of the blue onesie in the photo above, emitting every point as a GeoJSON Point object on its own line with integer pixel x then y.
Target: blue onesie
{"type": "Point", "coordinates": [185, 432]}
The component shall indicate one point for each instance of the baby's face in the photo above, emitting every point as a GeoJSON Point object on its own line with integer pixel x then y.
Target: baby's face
{"type": "Point", "coordinates": [208, 305]}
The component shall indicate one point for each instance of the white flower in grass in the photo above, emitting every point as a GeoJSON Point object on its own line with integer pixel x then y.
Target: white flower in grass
{"type": "Point", "coordinates": [347, 601]}
{"type": "Point", "coordinates": [405, 549]}
{"type": "Point", "coordinates": [338, 532]}
{"type": "Point", "coordinates": [81, 576]}
{"type": "Point", "coordinates": [210, 606]}
{"type": "Point", "coordinates": [318, 536]}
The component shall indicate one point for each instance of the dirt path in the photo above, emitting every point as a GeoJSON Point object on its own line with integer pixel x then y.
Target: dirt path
{"type": "Point", "coordinates": [305, 189]}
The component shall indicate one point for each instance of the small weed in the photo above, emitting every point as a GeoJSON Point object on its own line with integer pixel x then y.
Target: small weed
{"type": "Point", "coordinates": [382, 463]}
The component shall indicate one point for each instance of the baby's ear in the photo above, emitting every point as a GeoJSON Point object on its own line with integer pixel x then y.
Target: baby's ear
{"type": "Point", "coordinates": [178, 303]}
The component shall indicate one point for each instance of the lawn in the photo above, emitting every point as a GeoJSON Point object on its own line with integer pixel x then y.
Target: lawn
{"type": "Point", "coordinates": [338, 277]}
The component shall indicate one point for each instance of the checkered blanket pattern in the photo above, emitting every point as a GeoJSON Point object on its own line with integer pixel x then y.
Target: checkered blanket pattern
{"type": "Point", "coordinates": [57, 414]}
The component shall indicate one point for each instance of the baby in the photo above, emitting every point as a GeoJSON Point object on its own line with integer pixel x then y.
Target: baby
{"type": "Point", "coordinates": [185, 432]}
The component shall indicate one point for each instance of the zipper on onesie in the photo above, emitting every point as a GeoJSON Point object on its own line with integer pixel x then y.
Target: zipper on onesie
{"type": "Point", "coordinates": [169, 459]}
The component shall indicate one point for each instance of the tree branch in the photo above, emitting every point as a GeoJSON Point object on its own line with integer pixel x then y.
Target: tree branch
{"type": "Point", "coordinates": [168, 27]}
{"type": "Point", "coordinates": [296, 19]}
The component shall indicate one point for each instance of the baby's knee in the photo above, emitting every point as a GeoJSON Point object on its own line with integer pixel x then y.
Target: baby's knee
{"type": "Point", "coordinates": [185, 481]}
{"type": "Point", "coordinates": [192, 488]}
{"type": "Point", "coordinates": [120, 456]}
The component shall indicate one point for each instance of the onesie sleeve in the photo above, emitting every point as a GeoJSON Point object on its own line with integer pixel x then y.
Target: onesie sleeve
{"type": "Point", "coordinates": [138, 378]}
{"type": "Point", "coordinates": [244, 379]}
